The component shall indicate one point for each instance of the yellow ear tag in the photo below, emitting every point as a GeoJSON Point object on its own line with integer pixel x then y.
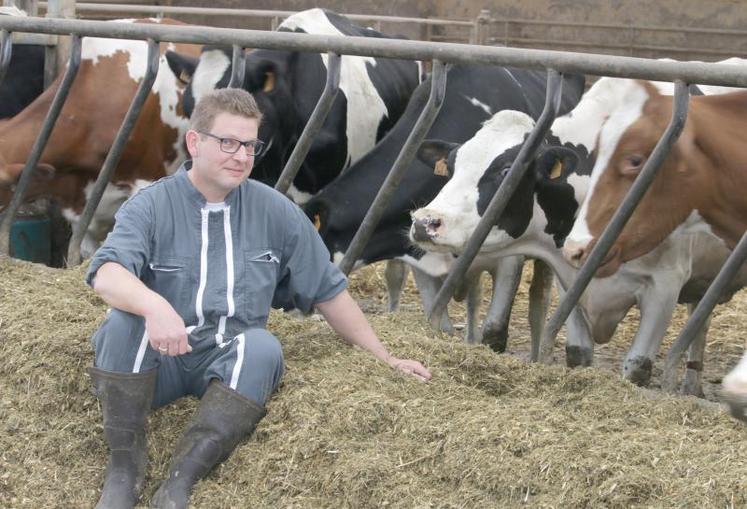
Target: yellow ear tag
{"type": "Point", "coordinates": [557, 170]}
{"type": "Point", "coordinates": [269, 82]}
{"type": "Point", "coordinates": [441, 169]}
{"type": "Point", "coordinates": [317, 222]}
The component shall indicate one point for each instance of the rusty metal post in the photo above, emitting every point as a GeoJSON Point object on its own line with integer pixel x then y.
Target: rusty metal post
{"type": "Point", "coordinates": [618, 221]}
{"type": "Point", "coordinates": [6, 219]}
{"type": "Point", "coordinates": [499, 201]}
{"type": "Point", "coordinates": [318, 116]}
{"type": "Point", "coordinates": [400, 166]}
{"type": "Point", "coordinates": [55, 57]}
{"type": "Point", "coordinates": [115, 153]}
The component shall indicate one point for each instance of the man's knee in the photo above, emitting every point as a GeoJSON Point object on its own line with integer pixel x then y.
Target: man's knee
{"type": "Point", "coordinates": [264, 349]}
{"type": "Point", "coordinates": [117, 342]}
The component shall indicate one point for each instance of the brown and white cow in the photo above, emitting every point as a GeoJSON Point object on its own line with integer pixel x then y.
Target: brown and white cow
{"type": "Point", "coordinates": [700, 187]}
{"type": "Point", "coordinates": [107, 80]}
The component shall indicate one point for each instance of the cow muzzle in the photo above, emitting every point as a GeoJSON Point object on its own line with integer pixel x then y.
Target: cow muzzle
{"type": "Point", "coordinates": [426, 229]}
{"type": "Point", "coordinates": [575, 252]}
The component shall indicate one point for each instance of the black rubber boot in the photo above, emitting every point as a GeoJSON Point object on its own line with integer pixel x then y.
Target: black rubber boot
{"type": "Point", "coordinates": [126, 400]}
{"type": "Point", "coordinates": [222, 420]}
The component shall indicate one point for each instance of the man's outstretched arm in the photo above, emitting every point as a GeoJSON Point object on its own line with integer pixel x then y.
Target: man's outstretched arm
{"type": "Point", "coordinates": [347, 319]}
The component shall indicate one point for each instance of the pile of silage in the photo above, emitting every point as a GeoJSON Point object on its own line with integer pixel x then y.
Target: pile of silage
{"type": "Point", "coordinates": [346, 431]}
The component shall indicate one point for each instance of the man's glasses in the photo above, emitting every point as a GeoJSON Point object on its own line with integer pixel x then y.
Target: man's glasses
{"type": "Point", "coordinates": [231, 146]}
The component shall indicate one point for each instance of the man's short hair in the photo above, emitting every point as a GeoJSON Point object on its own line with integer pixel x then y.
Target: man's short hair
{"type": "Point", "coordinates": [223, 100]}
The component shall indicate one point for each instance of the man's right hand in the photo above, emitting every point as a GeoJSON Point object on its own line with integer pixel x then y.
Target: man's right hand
{"type": "Point", "coordinates": [166, 331]}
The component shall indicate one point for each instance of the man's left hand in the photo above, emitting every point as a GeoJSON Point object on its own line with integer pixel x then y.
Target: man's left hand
{"type": "Point", "coordinates": [411, 367]}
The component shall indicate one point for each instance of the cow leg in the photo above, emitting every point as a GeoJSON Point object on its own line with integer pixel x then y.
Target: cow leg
{"type": "Point", "coordinates": [540, 292]}
{"type": "Point", "coordinates": [693, 383]}
{"type": "Point", "coordinates": [579, 345]}
{"type": "Point", "coordinates": [506, 278]}
{"type": "Point", "coordinates": [472, 334]}
{"type": "Point", "coordinates": [734, 390]}
{"type": "Point", "coordinates": [428, 287]}
{"type": "Point", "coordinates": [395, 275]}
{"type": "Point", "coordinates": [656, 314]}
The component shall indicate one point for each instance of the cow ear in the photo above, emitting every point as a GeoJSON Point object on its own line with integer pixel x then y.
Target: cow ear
{"type": "Point", "coordinates": [260, 75]}
{"type": "Point", "coordinates": [435, 153]}
{"type": "Point", "coordinates": [183, 66]}
{"type": "Point", "coordinates": [556, 162]}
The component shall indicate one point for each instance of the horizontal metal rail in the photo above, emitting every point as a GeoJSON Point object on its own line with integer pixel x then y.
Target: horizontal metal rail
{"type": "Point", "coordinates": [565, 62]}
{"type": "Point", "coordinates": [254, 13]}
{"type": "Point", "coordinates": [115, 153]}
{"type": "Point", "coordinates": [6, 220]}
{"type": "Point", "coordinates": [618, 221]}
{"type": "Point", "coordinates": [499, 201]}
{"type": "Point", "coordinates": [399, 168]}
{"type": "Point", "coordinates": [314, 124]}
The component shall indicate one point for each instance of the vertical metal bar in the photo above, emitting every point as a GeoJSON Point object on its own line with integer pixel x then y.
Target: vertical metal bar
{"type": "Point", "coordinates": [24, 180]}
{"type": "Point", "coordinates": [497, 205]}
{"type": "Point", "coordinates": [115, 153]}
{"type": "Point", "coordinates": [702, 311]}
{"type": "Point", "coordinates": [6, 51]}
{"type": "Point", "coordinates": [401, 164]}
{"type": "Point", "coordinates": [238, 66]}
{"type": "Point", "coordinates": [318, 116]}
{"type": "Point", "coordinates": [617, 223]}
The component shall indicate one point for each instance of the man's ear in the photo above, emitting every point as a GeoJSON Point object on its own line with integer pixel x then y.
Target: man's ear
{"type": "Point", "coordinates": [191, 139]}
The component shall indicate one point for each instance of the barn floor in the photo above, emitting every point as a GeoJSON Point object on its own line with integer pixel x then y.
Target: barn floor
{"type": "Point", "coordinates": [345, 431]}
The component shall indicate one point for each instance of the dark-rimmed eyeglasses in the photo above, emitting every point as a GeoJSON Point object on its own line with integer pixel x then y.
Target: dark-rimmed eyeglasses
{"type": "Point", "coordinates": [231, 145]}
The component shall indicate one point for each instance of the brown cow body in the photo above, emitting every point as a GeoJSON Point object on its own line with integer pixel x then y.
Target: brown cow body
{"type": "Point", "coordinates": [700, 187]}
{"type": "Point", "coordinates": [107, 80]}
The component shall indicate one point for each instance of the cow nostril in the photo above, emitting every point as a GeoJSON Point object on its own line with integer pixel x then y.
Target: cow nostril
{"type": "Point", "coordinates": [435, 223]}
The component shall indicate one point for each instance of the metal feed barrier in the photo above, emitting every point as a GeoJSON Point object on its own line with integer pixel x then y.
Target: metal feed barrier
{"type": "Point", "coordinates": [441, 54]}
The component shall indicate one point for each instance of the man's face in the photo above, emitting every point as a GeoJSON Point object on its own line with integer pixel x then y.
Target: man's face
{"type": "Point", "coordinates": [216, 172]}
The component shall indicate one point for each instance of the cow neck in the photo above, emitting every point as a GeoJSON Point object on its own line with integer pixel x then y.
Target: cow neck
{"type": "Point", "coordinates": [722, 177]}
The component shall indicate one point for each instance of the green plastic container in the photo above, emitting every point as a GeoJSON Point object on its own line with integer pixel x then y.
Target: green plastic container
{"type": "Point", "coordinates": [30, 239]}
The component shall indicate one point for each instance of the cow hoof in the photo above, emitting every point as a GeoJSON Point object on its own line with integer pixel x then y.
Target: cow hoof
{"type": "Point", "coordinates": [495, 338]}
{"type": "Point", "coordinates": [737, 404]}
{"type": "Point", "coordinates": [638, 370]}
{"type": "Point", "coordinates": [692, 386]}
{"type": "Point", "coordinates": [576, 356]}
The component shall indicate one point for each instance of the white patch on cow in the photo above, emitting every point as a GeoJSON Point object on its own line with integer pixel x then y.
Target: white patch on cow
{"type": "Point", "coordinates": [456, 204]}
{"type": "Point", "coordinates": [736, 381]}
{"type": "Point", "coordinates": [10, 10]}
{"type": "Point", "coordinates": [366, 108]}
{"type": "Point", "coordinates": [299, 197]}
{"type": "Point", "coordinates": [433, 264]}
{"type": "Point", "coordinates": [610, 135]}
{"type": "Point", "coordinates": [477, 103]}
{"type": "Point", "coordinates": [103, 219]}
{"type": "Point", "coordinates": [211, 67]}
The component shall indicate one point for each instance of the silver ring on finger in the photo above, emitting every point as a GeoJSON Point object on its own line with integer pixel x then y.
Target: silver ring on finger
{"type": "Point", "coordinates": [163, 349]}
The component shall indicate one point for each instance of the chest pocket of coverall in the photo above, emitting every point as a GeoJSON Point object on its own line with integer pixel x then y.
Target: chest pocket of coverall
{"type": "Point", "coordinates": [170, 278]}
{"type": "Point", "coordinates": [262, 267]}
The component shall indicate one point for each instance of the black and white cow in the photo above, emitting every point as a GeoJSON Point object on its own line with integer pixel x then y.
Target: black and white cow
{"type": "Point", "coordinates": [540, 216]}
{"type": "Point", "coordinates": [24, 78]}
{"type": "Point", "coordinates": [287, 85]}
{"type": "Point", "coordinates": [473, 94]}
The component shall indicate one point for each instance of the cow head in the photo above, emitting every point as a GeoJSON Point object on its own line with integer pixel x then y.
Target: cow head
{"type": "Point", "coordinates": [40, 185]}
{"type": "Point", "coordinates": [625, 144]}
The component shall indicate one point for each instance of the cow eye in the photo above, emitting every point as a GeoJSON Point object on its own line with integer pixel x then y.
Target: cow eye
{"type": "Point", "coordinates": [632, 164]}
{"type": "Point", "coordinates": [504, 171]}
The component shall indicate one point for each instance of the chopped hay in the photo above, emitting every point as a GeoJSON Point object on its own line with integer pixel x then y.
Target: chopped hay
{"type": "Point", "coordinates": [346, 431]}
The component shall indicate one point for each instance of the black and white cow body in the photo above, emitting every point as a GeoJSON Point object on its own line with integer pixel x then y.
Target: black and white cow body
{"type": "Point", "coordinates": [541, 215]}
{"type": "Point", "coordinates": [473, 93]}
{"type": "Point", "coordinates": [287, 85]}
